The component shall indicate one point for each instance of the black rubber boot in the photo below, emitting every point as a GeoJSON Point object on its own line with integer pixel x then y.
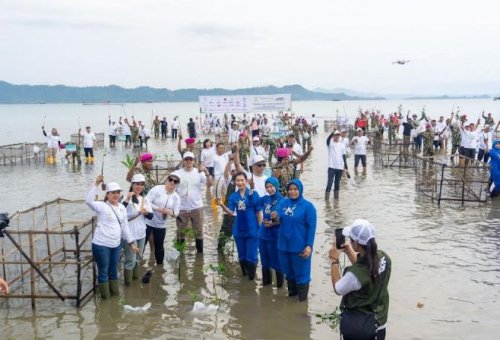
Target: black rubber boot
{"type": "Point", "coordinates": [327, 195]}
{"type": "Point", "coordinates": [199, 246]}
{"type": "Point", "coordinates": [251, 269]}
{"type": "Point", "coordinates": [243, 265]}
{"type": "Point", "coordinates": [266, 276]}
{"type": "Point", "coordinates": [336, 195]}
{"type": "Point", "coordinates": [280, 279]}
{"type": "Point", "coordinates": [292, 288]}
{"type": "Point", "coordinates": [147, 276]}
{"type": "Point", "coordinates": [303, 290]}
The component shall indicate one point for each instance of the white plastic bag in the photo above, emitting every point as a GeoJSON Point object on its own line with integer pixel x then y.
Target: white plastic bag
{"type": "Point", "coordinates": [199, 307]}
{"type": "Point", "coordinates": [144, 308]}
{"type": "Point", "coordinates": [172, 254]}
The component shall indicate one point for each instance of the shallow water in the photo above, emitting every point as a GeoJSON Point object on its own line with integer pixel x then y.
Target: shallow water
{"type": "Point", "coordinates": [445, 258]}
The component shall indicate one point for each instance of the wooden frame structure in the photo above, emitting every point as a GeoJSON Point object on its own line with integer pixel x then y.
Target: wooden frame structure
{"type": "Point", "coordinates": [440, 180]}
{"type": "Point", "coordinates": [47, 253]}
{"type": "Point", "coordinates": [398, 154]}
{"type": "Point", "coordinates": [23, 153]}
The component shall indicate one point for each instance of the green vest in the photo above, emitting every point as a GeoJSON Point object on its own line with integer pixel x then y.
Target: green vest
{"type": "Point", "coordinates": [363, 300]}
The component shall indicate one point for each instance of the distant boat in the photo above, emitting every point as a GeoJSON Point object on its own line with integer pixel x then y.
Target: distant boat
{"type": "Point", "coordinates": [335, 100]}
{"type": "Point", "coordinates": [496, 98]}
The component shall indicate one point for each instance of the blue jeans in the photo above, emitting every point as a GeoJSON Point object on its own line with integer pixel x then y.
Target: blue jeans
{"type": "Point", "coordinates": [334, 175]}
{"type": "Point", "coordinates": [132, 259]}
{"type": "Point", "coordinates": [295, 267]}
{"type": "Point", "coordinates": [107, 260]}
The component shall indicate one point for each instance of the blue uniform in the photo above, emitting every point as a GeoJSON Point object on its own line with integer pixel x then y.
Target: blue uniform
{"type": "Point", "coordinates": [245, 227]}
{"type": "Point", "coordinates": [297, 230]}
{"type": "Point", "coordinates": [495, 169]}
{"type": "Point", "coordinates": [268, 236]}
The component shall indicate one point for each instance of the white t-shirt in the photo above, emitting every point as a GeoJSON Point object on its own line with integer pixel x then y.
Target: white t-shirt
{"type": "Point", "coordinates": [220, 162]}
{"type": "Point", "coordinates": [175, 124]}
{"type": "Point", "coordinates": [53, 141]}
{"type": "Point", "coordinates": [485, 140]}
{"type": "Point", "coordinates": [137, 225]}
{"type": "Point", "coordinates": [336, 151]}
{"type": "Point", "coordinates": [469, 139]}
{"type": "Point", "coordinates": [256, 150]}
{"type": "Point", "coordinates": [259, 183]}
{"type": "Point", "coordinates": [233, 136]}
{"type": "Point", "coordinates": [190, 188]}
{"type": "Point", "coordinates": [112, 222]}
{"type": "Point", "coordinates": [207, 156]}
{"type": "Point", "coordinates": [88, 139]}
{"type": "Point", "coordinates": [159, 198]}
{"type": "Point", "coordinates": [112, 130]}
{"type": "Point", "coordinates": [126, 129]}
{"type": "Point", "coordinates": [360, 145]}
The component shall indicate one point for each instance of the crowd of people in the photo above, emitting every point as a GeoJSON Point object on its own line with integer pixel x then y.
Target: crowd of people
{"type": "Point", "coordinates": [252, 169]}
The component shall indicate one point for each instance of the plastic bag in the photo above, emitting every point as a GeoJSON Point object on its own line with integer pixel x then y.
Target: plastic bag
{"type": "Point", "coordinates": [172, 254]}
{"type": "Point", "coordinates": [199, 307]}
{"type": "Point", "coordinates": [144, 308]}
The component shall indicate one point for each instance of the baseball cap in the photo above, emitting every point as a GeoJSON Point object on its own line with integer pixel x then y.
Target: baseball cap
{"type": "Point", "coordinates": [359, 129]}
{"type": "Point", "coordinates": [258, 158]}
{"type": "Point", "coordinates": [138, 178]}
{"type": "Point", "coordinates": [113, 186]}
{"type": "Point", "coordinates": [187, 154]}
{"type": "Point", "coordinates": [256, 139]}
{"type": "Point", "coordinates": [336, 132]}
{"type": "Point", "coordinates": [360, 231]}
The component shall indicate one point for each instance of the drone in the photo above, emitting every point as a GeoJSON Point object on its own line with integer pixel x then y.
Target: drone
{"type": "Point", "coordinates": [401, 62]}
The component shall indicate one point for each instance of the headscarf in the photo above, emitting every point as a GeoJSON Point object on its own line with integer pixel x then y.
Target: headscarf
{"type": "Point", "coordinates": [495, 165]}
{"type": "Point", "coordinates": [299, 185]}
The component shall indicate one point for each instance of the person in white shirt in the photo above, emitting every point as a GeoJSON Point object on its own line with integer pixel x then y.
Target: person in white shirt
{"type": "Point", "coordinates": [111, 227]}
{"type": "Point", "coordinates": [336, 164]}
{"type": "Point", "coordinates": [88, 144]}
{"type": "Point", "coordinates": [165, 202]}
{"type": "Point", "coordinates": [360, 143]}
{"type": "Point", "coordinates": [256, 150]}
{"type": "Point", "coordinates": [233, 133]}
{"type": "Point", "coordinates": [220, 160]}
{"type": "Point", "coordinates": [126, 131]}
{"type": "Point", "coordinates": [314, 124]}
{"type": "Point", "coordinates": [207, 156]}
{"type": "Point", "coordinates": [470, 139]}
{"type": "Point", "coordinates": [112, 133]}
{"type": "Point", "coordinates": [296, 152]}
{"type": "Point", "coordinates": [441, 129]}
{"type": "Point", "coordinates": [138, 210]}
{"type": "Point", "coordinates": [192, 182]}
{"type": "Point", "coordinates": [53, 143]}
{"type": "Point", "coordinates": [257, 179]}
{"type": "Point", "coordinates": [485, 143]}
{"type": "Point", "coordinates": [175, 126]}
{"type": "Point", "coordinates": [144, 134]}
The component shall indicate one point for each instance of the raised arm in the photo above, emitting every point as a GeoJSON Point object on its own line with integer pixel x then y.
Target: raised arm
{"type": "Point", "coordinates": [304, 156]}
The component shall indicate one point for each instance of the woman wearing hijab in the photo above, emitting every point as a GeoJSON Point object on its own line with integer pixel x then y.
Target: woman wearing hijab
{"type": "Point", "coordinates": [268, 234]}
{"type": "Point", "coordinates": [297, 219]}
{"type": "Point", "coordinates": [138, 210]}
{"type": "Point", "coordinates": [112, 225]}
{"type": "Point", "coordinates": [495, 169]}
{"type": "Point", "coordinates": [364, 284]}
{"type": "Point", "coordinates": [245, 205]}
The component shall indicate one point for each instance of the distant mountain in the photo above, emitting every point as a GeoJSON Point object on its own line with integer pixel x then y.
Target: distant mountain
{"type": "Point", "coordinates": [347, 92]}
{"type": "Point", "coordinates": [26, 94]}
{"type": "Point", "coordinates": [484, 96]}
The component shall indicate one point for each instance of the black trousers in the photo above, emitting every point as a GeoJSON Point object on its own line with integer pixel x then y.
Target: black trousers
{"type": "Point", "coordinates": [159, 238]}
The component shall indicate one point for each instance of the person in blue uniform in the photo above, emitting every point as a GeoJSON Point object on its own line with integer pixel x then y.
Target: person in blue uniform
{"type": "Point", "coordinates": [297, 219]}
{"type": "Point", "coordinates": [268, 234]}
{"type": "Point", "coordinates": [245, 205]}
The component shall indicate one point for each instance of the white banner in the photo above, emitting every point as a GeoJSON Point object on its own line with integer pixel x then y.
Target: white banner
{"type": "Point", "coordinates": [241, 104]}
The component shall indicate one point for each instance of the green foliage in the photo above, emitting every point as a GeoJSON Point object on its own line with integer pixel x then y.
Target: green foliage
{"type": "Point", "coordinates": [180, 246]}
{"type": "Point", "coordinates": [129, 162]}
{"type": "Point", "coordinates": [194, 296]}
{"type": "Point", "coordinates": [332, 319]}
{"type": "Point", "coordinates": [122, 301]}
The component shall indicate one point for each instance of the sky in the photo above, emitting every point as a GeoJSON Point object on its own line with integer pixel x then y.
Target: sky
{"type": "Point", "coordinates": [452, 45]}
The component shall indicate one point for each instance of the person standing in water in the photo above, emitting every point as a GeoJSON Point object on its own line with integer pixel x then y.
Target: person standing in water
{"type": "Point", "coordinates": [88, 145]}
{"type": "Point", "coordinates": [53, 144]}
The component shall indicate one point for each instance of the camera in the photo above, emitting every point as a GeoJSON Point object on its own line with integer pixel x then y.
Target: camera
{"type": "Point", "coordinates": [4, 222]}
{"type": "Point", "coordinates": [339, 238]}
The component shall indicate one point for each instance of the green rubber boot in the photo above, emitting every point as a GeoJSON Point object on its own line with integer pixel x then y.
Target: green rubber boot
{"type": "Point", "coordinates": [114, 287]}
{"type": "Point", "coordinates": [127, 277]}
{"type": "Point", "coordinates": [104, 290]}
{"type": "Point", "coordinates": [136, 272]}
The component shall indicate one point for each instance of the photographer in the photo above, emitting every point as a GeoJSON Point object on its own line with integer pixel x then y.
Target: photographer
{"type": "Point", "coordinates": [365, 298]}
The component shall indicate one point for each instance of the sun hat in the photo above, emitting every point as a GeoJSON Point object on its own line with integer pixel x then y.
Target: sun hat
{"type": "Point", "coordinates": [360, 231]}
{"type": "Point", "coordinates": [113, 186]}
{"type": "Point", "coordinates": [258, 158]}
{"type": "Point", "coordinates": [336, 132]}
{"type": "Point", "coordinates": [138, 178]}
{"type": "Point", "coordinates": [146, 157]}
{"type": "Point", "coordinates": [187, 154]}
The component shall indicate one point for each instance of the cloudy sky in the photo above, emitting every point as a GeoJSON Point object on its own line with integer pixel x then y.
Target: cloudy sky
{"type": "Point", "coordinates": [453, 45]}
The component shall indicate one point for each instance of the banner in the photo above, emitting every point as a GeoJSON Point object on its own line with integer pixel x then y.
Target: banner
{"type": "Point", "coordinates": [242, 104]}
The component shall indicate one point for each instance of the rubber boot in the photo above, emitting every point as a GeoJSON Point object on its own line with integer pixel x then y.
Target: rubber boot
{"type": "Point", "coordinates": [251, 269]}
{"type": "Point", "coordinates": [292, 288]}
{"type": "Point", "coordinates": [280, 279]}
{"type": "Point", "coordinates": [136, 272]}
{"type": "Point", "coordinates": [243, 265]}
{"type": "Point", "coordinates": [266, 276]}
{"type": "Point", "coordinates": [127, 277]}
{"type": "Point", "coordinates": [336, 195]}
{"type": "Point", "coordinates": [303, 290]}
{"type": "Point", "coordinates": [199, 246]}
{"type": "Point", "coordinates": [104, 290]}
{"type": "Point", "coordinates": [147, 277]}
{"type": "Point", "coordinates": [114, 287]}
{"type": "Point", "coordinates": [91, 159]}
{"type": "Point", "coordinates": [327, 195]}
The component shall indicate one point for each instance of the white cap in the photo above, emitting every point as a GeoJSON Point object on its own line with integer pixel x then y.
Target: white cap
{"type": "Point", "coordinates": [256, 139]}
{"type": "Point", "coordinates": [359, 129]}
{"type": "Point", "coordinates": [360, 231]}
{"type": "Point", "coordinates": [187, 154]}
{"type": "Point", "coordinates": [113, 186]}
{"type": "Point", "coordinates": [336, 132]}
{"type": "Point", "coordinates": [343, 130]}
{"type": "Point", "coordinates": [138, 178]}
{"type": "Point", "coordinates": [258, 158]}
